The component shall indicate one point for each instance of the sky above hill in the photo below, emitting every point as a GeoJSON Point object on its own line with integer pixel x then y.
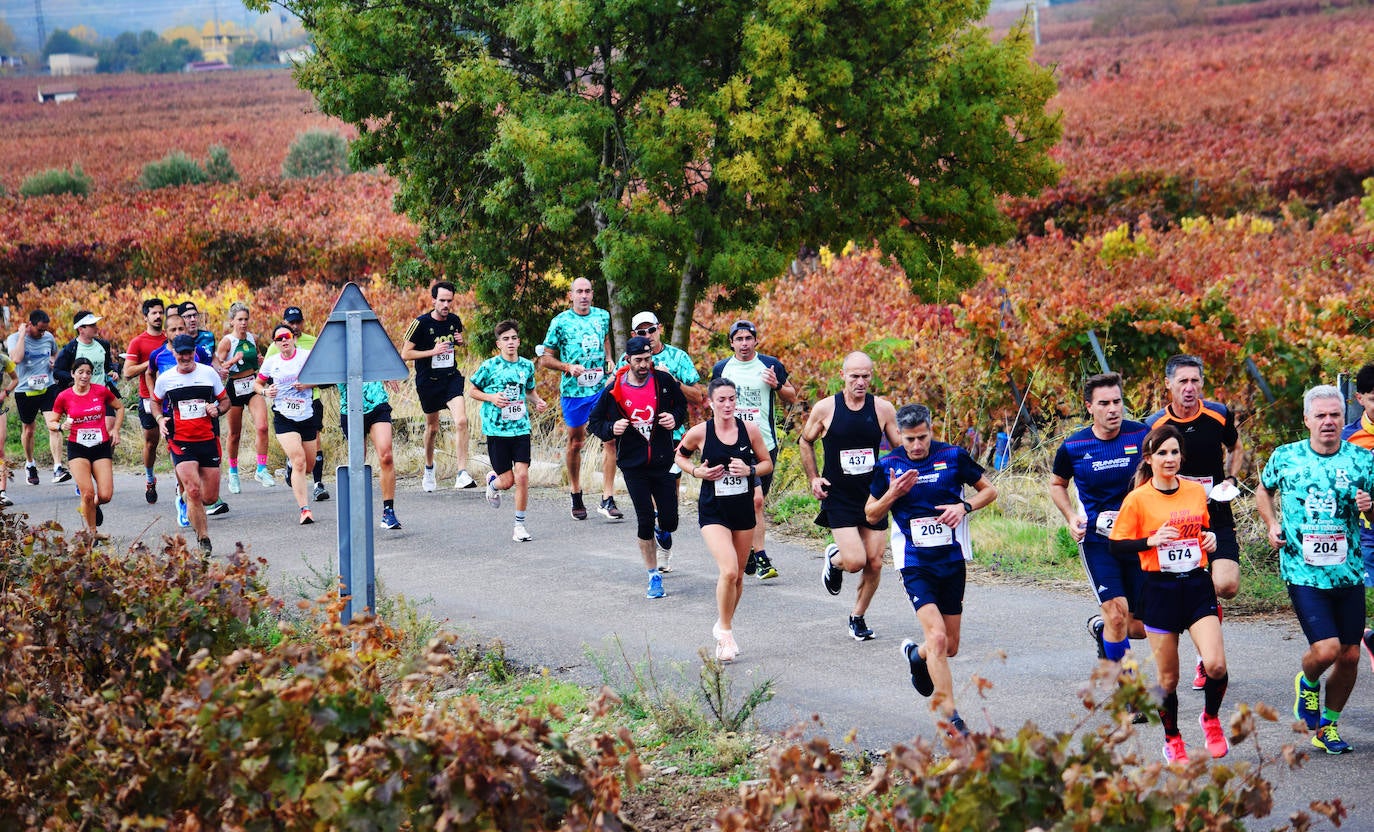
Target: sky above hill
{"type": "Point", "coordinates": [110, 17]}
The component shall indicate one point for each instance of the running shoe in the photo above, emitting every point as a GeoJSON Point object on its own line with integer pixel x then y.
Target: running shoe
{"type": "Point", "coordinates": [655, 589]}
{"type": "Point", "coordinates": [99, 516]}
{"type": "Point", "coordinates": [32, 474]}
{"type": "Point", "coordinates": [306, 517]}
{"type": "Point", "coordinates": [718, 633]}
{"type": "Point", "coordinates": [664, 541]}
{"type": "Point", "coordinates": [321, 493]}
{"type": "Point", "coordinates": [183, 520]}
{"type": "Point", "coordinates": [5, 500]}
{"type": "Point", "coordinates": [217, 508]}
{"type": "Point", "coordinates": [1200, 677]}
{"type": "Point", "coordinates": [205, 548]}
{"type": "Point", "coordinates": [832, 577]}
{"type": "Point", "coordinates": [1096, 628]}
{"type": "Point", "coordinates": [493, 496]}
{"type": "Point", "coordinates": [726, 649]}
{"type": "Point", "coordinates": [752, 564]}
{"type": "Point", "coordinates": [519, 534]}
{"type": "Point", "coordinates": [1367, 641]}
{"type": "Point", "coordinates": [150, 491]}
{"type": "Point", "coordinates": [389, 520]}
{"type": "Point", "coordinates": [429, 483]}
{"type": "Point", "coordinates": [234, 485]}
{"type": "Point", "coordinates": [1307, 702]}
{"type": "Point", "coordinates": [1176, 750]}
{"type": "Point", "coordinates": [920, 673]}
{"type": "Point", "coordinates": [957, 728]}
{"type": "Point", "coordinates": [767, 572]}
{"type": "Point", "coordinates": [60, 474]}
{"type": "Point", "coordinates": [608, 509]}
{"type": "Point", "coordinates": [1217, 745]}
{"type": "Point", "coordinates": [1329, 740]}
{"type": "Point", "coordinates": [265, 478]}
{"type": "Point", "coordinates": [579, 511]}
{"type": "Point", "coordinates": [858, 629]}
{"type": "Point", "coordinates": [464, 480]}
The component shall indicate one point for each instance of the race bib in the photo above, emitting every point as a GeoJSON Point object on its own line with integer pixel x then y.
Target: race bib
{"type": "Point", "coordinates": [591, 377]}
{"type": "Point", "coordinates": [38, 381]}
{"type": "Point", "coordinates": [749, 414]}
{"type": "Point", "coordinates": [1105, 521]}
{"type": "Point", "coordinates": [89, 437]}
{"type": "Point", "coordinates": [1324, 548]}
{"type": "Point", "coordinates": [858, 461]}
{"type": "Point", "coordinates": [929, 532]}
{"type": "Point", "coordinates": [191, 409]}
{"type": "Point", "coordinates": [294, 409]}
{"type": "Point", "coordinates": [731, 485]}
{"type": "Point", "coordinates": [442, 361]}
{"type": "Point", "coordinates": [1181, 555]}
{"type": "Point", "coordinates": [243, 386]}
{"type": "Point", "coordinates": [644, 428]}
{"type": "Point", "coordinates": [514, 411]}
{"type": "Point", "coordinates": [1205, 482]}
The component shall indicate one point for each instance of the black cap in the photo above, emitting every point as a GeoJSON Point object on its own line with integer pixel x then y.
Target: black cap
{"type": "Point", "coordinates": [183, 343]}
{"type": "Point", "coordinates": [638, 345]}
{"type": "Point", "coordinates": [292, 314]}
{"type": "Point", "coordinates": [187, 306]}
{"type": "Point", "coordinates": [745, 325]}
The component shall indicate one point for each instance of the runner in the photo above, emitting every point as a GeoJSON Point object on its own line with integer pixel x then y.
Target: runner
{"type": "Point", "coordinates": [853, 423]}
{"type": "Point", "coordinates": [293, 419]}
{"type": "Point", "coordinates": [1323, 485]}
{"type": "Point", "coordinates": [640, 412]}
{"type": "Point", "coordinates": [86, 345]}
{"type": "Point", "coordinates": [1361, 433]}
{"type": "Point", "coordinates": [80, 411]}
{"type": "Point", "coordinates": [33, 348]}
{"type": "Point", "coordinates": [238, 355]}
{"type": "Point", "coordinates": [164, 359]}
{"type": "Point", "coordinates": [1101, 460]}
{"type": "Point", "coordinates": [205, 339]}
{"type": "Point", "coordinates": [578, 345]}
{"type": "Point", "coordinates": [733, 456]}
{"type": "Point", "coordinates": [678, 364]}
{"type": "Point", "coordinates": [431, 342]}
{"type": "Point", "coordinates": [504, 384]}
{"type": "Point", "coordinates": [922, 485]}
{"type": "Point", "coordinates": [1212, 452]}
{"type": "Point", "coordinates": [294, 319]}
{"type": "Point", "coordinates": [194, 397]}
{"type": "Point", "coordinates": [1164, 521]}
{"type": "Point", "coordinates": [758, 377]}
{"type": "Point", "coordinates": [136, 362]}
{"type": "Point", "coordinates": [377, 427]}
{"type": "Point", "coordinates": [7, 368]}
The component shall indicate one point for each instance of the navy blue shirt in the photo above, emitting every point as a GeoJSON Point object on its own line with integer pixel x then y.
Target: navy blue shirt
{"type": "Point", "coordinates": [1102, 471]}
{"type": "Point", "coordinates": [943, 474]}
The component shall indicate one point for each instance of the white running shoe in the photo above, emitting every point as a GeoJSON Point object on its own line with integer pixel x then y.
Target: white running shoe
{"type": "Point", "coordinates": [494, 496]}
{"type": "Point", "coordinates": [464, 480]}
{"type": "Point", "coordinates": [520, 535]}
{"type": "Point", "coordinates": [234, 486]}
{"type": "Point", "coordinates": [429, 483]}
{"type": "Point", "coordinates": [265, 478]}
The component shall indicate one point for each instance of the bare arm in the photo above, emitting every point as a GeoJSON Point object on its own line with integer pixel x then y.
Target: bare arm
{"type": "Point", "coordinates": [764, 466]}
{"type": "Point", "coordinates": [1235, 459]}
{"type": "Point", "coordinates": [1264, 504]}
{"type": "Point", "coordinates": [1059, 493]}
{"type": "Point", "coordinates": [816, 425]}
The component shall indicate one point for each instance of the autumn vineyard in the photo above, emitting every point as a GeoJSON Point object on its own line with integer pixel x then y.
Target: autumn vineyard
{"type": "Point", "coordinates": [1213, 200]}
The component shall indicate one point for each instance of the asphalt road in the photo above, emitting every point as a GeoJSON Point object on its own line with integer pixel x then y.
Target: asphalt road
{"type": "Point", "coordinates": [579, 586]}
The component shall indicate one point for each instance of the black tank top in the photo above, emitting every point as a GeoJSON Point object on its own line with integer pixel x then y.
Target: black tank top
{"type": "Point", "coordinates": [851, 447]}
{"type": "Point", "coordinates": [716, 452]}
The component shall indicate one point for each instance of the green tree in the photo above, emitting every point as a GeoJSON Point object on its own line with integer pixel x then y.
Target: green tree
{"type": "Point", "coordinates": [161, 56]}
{"type": "Point", "coordinates": [8, 42]}
{"type": "Point", "coordinates": [660, 147]}
{"type": "Point", "coordinates": [62, 42]}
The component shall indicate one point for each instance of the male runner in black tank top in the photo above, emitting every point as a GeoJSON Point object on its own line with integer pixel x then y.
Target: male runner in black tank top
{"type": "Point", "coordinates": [853, 423]}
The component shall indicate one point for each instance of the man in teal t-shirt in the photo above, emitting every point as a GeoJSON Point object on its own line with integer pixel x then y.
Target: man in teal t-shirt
{"type": "Point", "coordinates": [1323, 485]}
{"type": "Point", "coordinates": [504, 384]}
{"type": "Point", "coordinates": [377, 427]}
{"type": "Point", "coordinates": [578, 345]}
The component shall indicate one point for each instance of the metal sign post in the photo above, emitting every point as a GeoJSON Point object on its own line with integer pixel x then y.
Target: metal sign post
{"type": "Point", "coordinates": [354, 348]}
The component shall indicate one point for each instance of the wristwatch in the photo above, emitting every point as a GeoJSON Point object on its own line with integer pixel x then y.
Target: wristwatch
{"type": "Point", "coordinates": [968, 509]}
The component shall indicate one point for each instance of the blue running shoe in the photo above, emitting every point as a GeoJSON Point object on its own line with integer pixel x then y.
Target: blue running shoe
{"type": "Point", "coordinates": [182, 519]}
{"type": "Point", "coordinates": [655, 587]}
{"type": "Point", "coordinates": [1307, 702]}
{"type": "Point", "coordinates": [1328, 740]}
{"type": "Point", "coordinates": [389, 520]}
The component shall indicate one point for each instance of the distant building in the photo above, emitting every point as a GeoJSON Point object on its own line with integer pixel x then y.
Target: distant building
{"type": "Point", "coordinates": [216, 42]}
{"type": "Point", "coordinates": [206, 66]}
{"type": "Point", "coordinates": [67, 64]}
{"type": "Point", "coordinates": [56, 96]}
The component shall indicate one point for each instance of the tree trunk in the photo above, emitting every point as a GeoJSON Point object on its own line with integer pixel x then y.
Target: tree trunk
{"type": "Point", "coordinates": [686, 303]}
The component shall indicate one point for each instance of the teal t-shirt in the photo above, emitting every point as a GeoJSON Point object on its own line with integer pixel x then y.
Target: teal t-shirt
{"type": "Point", "coordinates": [515, 379]}
{"type": "Point", "coordinates": [374, 394]}
{"type": "Point", "coordinates": [754, 398]}
{"type": "Point", "coordinates": [677, 364]}
{"type": "Point", "coordinates": [581, 339]}
{"type": "Point", "coordinates": [1321, 527]}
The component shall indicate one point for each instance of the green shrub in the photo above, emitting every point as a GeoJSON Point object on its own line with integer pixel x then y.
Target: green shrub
{"type": "Point", "coordinates": [316, 153]}
{"type": "Point", "coordinates": [57, 181]}
{"type": "Point", "coordinates": [1367, 201]}
{"type": "Point", "coordinates": [218, 167]}
{"type": "Point", "coordinates": [176, 168]}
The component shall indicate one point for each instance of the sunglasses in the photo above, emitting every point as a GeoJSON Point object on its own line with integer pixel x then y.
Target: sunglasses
{"type": "Point", "coordinates": [281, 338]}
{"type": "Point", "coordinates": [647, 330]}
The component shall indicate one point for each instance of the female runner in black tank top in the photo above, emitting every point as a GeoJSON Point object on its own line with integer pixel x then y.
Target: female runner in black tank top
{"type": "Point", "coordinates": [733, 457]}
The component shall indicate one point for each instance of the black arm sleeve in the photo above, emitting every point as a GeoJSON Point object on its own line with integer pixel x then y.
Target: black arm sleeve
{"type": "Point", "coordinates": [1129, 547]}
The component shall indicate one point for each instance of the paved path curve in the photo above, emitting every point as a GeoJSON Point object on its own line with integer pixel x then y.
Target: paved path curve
{"type": "Point", "coordinates": [579, 585]}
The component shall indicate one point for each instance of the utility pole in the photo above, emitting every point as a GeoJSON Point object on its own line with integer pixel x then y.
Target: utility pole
{"type": "Point", "coordinates": [42, 30]}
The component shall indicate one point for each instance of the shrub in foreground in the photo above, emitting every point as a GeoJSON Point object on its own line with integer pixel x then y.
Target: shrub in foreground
{"type": "Point", "coordinates": [55, 181]}
{"type": "Point", "coordinates": [172, 170]}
